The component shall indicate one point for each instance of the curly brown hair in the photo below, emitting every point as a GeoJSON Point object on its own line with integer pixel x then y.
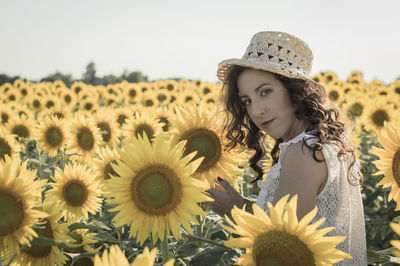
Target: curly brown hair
{"type": "Point", "coordinates": [308, 100]}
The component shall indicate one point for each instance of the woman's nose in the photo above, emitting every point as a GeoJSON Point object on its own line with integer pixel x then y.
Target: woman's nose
{"type": "Point", "coordinates": [258, 109]}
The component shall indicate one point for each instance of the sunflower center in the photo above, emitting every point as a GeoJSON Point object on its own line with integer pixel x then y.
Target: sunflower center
{"type": "Point", "coordinates": [5, 148]}
{"type": "Point", "coordinates": [379, 116]}
{"type": "Point", "coordinates": [67, 98]}
{"type": "Point", "coordinates": [206, 143]}
{"type": "Point", "coordinates": [162, 97]}
{"type": "Point", "coordinates": [54, 136]}
{"type": "Point", "coordinates": [4, 118]}
{"type": "Point", "coordinates": [108, 170]}
{"type": "Point", "coordinates": [156, 190]}
{"type": "Point", "coordinates": [333, 95]}
{"type": "Point", "coordinates": [132, 93]}
{"type": "Point", "coordinates": [356, 109]}
{"type": "Point", "coordinates": [397, 90]}
{"type": "Point", "coordinates": [144, 128]}
{"type": "Point", "coordinates": [166, 123]}
{"type": "Point", "coordinates": [36, 103]}
{"type": "Point", "coordinates": [41, 251]}
{"type": "Point", "coordinates": [59, 114]}
{"type": "Point", "coordinates": [121, 119]}
{"type": "Point", "coordinates": [12, 213]}
{"type": "Point", "coordinates": [85, 138]}
{"type": "Point", "coordinates": [105, 127]}
{"type": "Point", "coordinates": [396, 167]}
{"type": "Point", "coordinates": [281, 248]}
{"type": "Point", "coordinates": [206, 91]}
{"type": "Point", "coordinates": [20, 131]}
{"type": "Point", "coordinates": [75, 193]}
{"type": "Point", "coordinates": [49, 104]}
{"type": "Point", "coordinates": [88, 106]}
{"type": "Point", "coordinates": [149, 103]}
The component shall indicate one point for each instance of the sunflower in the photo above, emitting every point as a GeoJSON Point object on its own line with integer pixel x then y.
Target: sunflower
{"type": "Point", "coordinates": [141, 123]}
{"type": "Point", "coordinates": [60, 112]}
{"type": "Point", "coordinates": [12, 95]}
{"type": "Point", "coordinates": [88, 104]}
{"type": "Point", "coordinates": [78, 87]}
{"type": "Point", "coordinates": [334, 93]}
{"type": "Point", "coordinates": [82, 236]}
{"type": "Point", "coordinates": [105, 122]}
{"type": "Point", "coordinates": [35, 102]}
{"type": "Point", "coordinates": [50, 228]}
{"type": "Point", "coordinates": [132, 93]}
{"type": "Point", "coordinates": [67, 97]}
{"type": "Point", "coordinates": [203, 133]}
{"type": "Point", "coordinates": [149, 99]}
{"type": "Point", "coordinates": [52, 135]}
{"type": "Point", "coordinates": [22, 110]}
{"type": "Point", "coordinates": [21, 127]}
{"type": "Point", "coordinates": [318, 78]}
{"type": "Point", "coordinates": [19, 194]}
{"type": "Point", "coordinates": [395, 87]}
{"type": "Point", "coordinates": [355, 104]}
{"type": "Point", "coordinates": [188, 96]}
{"type": "Point", "coordinates": [117, 257]}
{"type": "Point", "coordinates": [121, 115]}
{"type": "Point", "coordinates": [77, 190]}
{"type": "Point", "coordinates": [5, 113]}
{"type": "Point", "coordinates": [103, 166]}
{"type": "Point", "coordinates": [111, 100]}
{"type": "Point", "coordinates": [7, 145]}
{"type": "Point", "coordinates": [396, 243]}
{"type": "Point", "coordinates": [163, 97]}
{"type": "Point", "coordinates": [281, 239]}
{"type": "Point", "coordinates": [389, 160]}
{"type": "Point", "coordinates": [164, 116]}
{"type": "Point", "coordinates": [85, 137]}
{"type": "Point", "coordinates": [50, 101]}
{"type": "Point", "coordinates": [155, 188]}
{"type": "Point", "coordinates": [329, 77]}
{"type": "Point", "coordinates": [5, 88]}
{"type": "Point", "coordinates": [377, 113]}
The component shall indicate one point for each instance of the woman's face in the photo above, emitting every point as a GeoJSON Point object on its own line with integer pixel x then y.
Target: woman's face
{"type": "Point", "coordinates": [268, 104]}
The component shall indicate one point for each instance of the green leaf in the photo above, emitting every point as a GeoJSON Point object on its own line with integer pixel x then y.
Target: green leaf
{"type": "Point", "coordinates": [95, 225]}
{"type": "Point", "coordinates": [45, 241]}
{"type": "Point", "coordinates": [209, 256]}
{"type": "Point", "coordinates": [187, 250]}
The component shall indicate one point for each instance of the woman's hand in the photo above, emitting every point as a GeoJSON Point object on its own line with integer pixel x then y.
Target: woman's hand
{"type": "Point", "coordinates": [224, 200]}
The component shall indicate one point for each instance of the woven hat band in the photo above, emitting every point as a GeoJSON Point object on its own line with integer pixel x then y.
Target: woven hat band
{"type": "Point", "coordinates": [297, 72]}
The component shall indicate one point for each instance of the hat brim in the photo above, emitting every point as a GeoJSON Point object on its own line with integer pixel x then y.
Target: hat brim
{"type": "Point", "coordinates": [225, 66]}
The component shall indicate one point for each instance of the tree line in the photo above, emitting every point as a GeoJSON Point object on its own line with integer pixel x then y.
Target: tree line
{"type": "Point", "coordinates": [89, 77]}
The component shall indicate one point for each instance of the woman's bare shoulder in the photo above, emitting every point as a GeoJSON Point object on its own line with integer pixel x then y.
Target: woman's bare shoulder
{"type": "Point", "coordinates": [299, 161]}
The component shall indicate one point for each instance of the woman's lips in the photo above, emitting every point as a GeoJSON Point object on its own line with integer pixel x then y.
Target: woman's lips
{"type": "Point", "coordinates": [267, 123]}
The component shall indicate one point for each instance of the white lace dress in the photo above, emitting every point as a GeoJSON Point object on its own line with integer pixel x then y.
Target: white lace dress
{"type": "Point", "coordinates": [339, 202]}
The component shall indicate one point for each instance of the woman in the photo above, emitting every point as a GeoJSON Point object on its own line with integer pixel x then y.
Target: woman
{"type": "Point", "coordinates": [269, 91]}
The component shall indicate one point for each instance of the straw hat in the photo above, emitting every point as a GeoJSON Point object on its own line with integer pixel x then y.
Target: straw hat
{"type": "Point", "coordinates": [277, 52]}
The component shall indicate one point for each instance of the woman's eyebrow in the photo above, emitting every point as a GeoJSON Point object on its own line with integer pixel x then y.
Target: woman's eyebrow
{"type": "Point", "coordinates": [244, 95]}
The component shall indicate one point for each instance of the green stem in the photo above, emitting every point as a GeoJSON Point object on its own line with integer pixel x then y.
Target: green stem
{"type": "Point", "coordinates": [164, 249]}
{"type": "Point", "coordinates": [205, 240]}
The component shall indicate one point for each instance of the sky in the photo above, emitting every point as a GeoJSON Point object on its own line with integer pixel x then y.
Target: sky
{"type": "Point", "coordinates": [187, 39]}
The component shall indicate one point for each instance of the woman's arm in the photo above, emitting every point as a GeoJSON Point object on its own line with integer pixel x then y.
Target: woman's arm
{"type": "Point", "coordinates": [301, 174]}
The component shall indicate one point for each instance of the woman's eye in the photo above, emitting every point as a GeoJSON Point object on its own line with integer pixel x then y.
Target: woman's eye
{"type": "Point", "coordinates": [265, 92]}
{"type": "Point", "coordinates": [246, 102]}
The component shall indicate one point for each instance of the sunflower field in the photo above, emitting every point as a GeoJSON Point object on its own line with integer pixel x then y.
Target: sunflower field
{"type": "Point", "coordinates": [117, 174]}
